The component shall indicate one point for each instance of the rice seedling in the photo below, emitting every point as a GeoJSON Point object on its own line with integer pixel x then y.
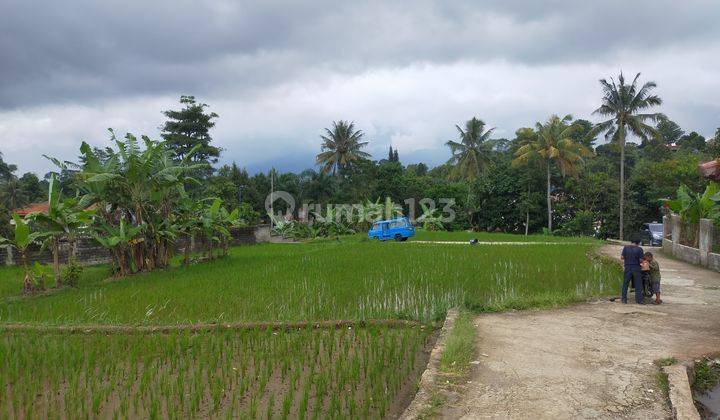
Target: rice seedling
{"type": "Point", "coordinates": [185, 374]}
{"type": "Point", "coordinates": [348, 372]}
{"type": "Point", "coordinates": [320, 281]}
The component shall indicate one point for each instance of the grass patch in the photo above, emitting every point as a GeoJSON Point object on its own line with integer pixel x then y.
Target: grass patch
{"type": "Point", "coordinates": [330, 280]}
{"type": "Point", "coordinates": [707, 376]}
{"type": "Point", "coordinates": [459, 346]}
{"type": "Point", "coordinates": [668, 361]}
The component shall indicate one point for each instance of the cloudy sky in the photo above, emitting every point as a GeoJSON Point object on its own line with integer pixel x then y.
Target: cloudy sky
{"type": "Point", "coordinates": [278, 72]}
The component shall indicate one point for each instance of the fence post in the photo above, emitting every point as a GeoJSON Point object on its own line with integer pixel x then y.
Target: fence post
{"type": "Point", "coordinates": [676, 222]}
{"type": "Point", "coordinates": [706, 240]}
{"type": "Point", "coordinates": [9, 256]}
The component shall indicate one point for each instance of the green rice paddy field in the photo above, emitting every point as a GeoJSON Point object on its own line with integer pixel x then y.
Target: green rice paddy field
{"type": "Point", "coordinates": [361, 371]}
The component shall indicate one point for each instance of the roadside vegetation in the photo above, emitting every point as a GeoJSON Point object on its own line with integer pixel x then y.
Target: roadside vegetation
{"type": "Point", "coordinates": [707, 375]}
{"type": "Point", "coordinates": [459, 346]}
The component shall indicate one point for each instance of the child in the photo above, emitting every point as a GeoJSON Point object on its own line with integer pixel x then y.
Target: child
{"type": "Point", "coordinates": [645, 270]}
{"type": "Point", "coordinates": [654, 270]}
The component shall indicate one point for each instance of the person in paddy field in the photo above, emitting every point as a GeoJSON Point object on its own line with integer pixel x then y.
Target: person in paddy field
{"type": "Point", "coordinates": [631, 256]}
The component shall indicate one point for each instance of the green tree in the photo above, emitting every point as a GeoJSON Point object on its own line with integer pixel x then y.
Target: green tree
{"type": "Point", "coordinates": [552, 143]}
{"type": "Point", "coordinates": [692, 142]}
{"type": "Point", "coordinates": [669, 131]}
{"type": "Point", "coordinates": [6, 169]}
{"type": "Point", "coordinates": [341, 148]}
{"type": "Point", "coordinates": [33, 189]}
{"type": "Point", "coordinates": [187, 132]}
{"type": "Point", "coordinates": [12, 194]}
{"type": "Point", "coordinates": [713, 145]}
{"type": "Point", "coordinates": [626, 104]}
{"type": "Point", "coordinates": [582, 131]}
{"type": "Point", "coordinates": [496, 199]}
{"type": "Point", "coordinates": [471, 156]}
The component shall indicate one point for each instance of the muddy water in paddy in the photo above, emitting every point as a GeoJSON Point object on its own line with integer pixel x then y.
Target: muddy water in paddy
{"type": "Point", "coordinates": [710, 403]}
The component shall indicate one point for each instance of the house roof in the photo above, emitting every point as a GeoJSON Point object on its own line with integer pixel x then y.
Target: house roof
{"type": "Point", "coordinates": [31, 208]}
{"type": "Point", "coordinates": [710, 169]}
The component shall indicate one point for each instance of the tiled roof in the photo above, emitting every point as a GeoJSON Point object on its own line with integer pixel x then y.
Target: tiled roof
{"type": "Point", "coordinates": [31, 208]}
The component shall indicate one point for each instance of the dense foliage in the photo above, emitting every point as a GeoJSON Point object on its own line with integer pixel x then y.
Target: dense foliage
{"type": "Point", "coordinates": [518, 185]}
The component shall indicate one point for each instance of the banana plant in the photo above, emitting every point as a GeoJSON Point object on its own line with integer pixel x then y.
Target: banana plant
{"type": "Point", "coordinates": [188, 223]}
{"type": "Point", "coordinates": [430, 219]}
{"type": "Point", "coordinates": [23, 237]}
{"type": "Point", "coordinates": [118, 240]}
{"type": "Point", "coordinates": [63, 220]}
{"type": "Point", "coordinates": [374, 211]}
{"type": "Point", "coordinates": [215, 226]}
{"type": "Point", "coordinates": [692, 206]}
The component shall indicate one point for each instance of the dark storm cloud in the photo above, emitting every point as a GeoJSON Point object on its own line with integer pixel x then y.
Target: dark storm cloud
{"type": "Point", "coordinates": [63, 52]}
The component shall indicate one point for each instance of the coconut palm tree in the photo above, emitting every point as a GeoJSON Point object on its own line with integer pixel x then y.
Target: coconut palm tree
{"type": "Point", "coordinates": [470, 155]}
{"type": "Point", "coordinates": [341, 148]}
{"type": "Point", "coordinates": [550, 143]}
{"type": "Point", "coordinates": [626, 104]}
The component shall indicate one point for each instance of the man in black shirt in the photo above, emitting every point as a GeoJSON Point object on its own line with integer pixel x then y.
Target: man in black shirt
{"type": "Point", "coordinates": [631, 256]}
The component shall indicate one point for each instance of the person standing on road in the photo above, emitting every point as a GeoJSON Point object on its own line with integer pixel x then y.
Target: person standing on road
{"type": "Point", "coordinates": [631, 256]}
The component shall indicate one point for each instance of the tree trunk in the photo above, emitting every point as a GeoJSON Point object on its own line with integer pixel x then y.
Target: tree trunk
{"type": "Point", "coordinates": [27, 280]}
{"type": "Point", "coordinates": [622, 185]}
{"type": "Point", "coordinates": [527, 221]}
{"type": "Point", "coordinates": [56, 260]}
{"type": "Point", "coordinates": [188, 246]}
{"type": "Point", "coordinates": [549, 202]}
{"type": "Point", "coordinates": [73, 245]}
{"type": "Point", "coordinates": [527, 213]}
{"type": "Point", "coordinates": [121, 262]}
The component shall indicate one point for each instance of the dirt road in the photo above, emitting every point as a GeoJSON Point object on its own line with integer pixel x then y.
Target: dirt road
{"type": "Point", "coordinates": [593, 360]}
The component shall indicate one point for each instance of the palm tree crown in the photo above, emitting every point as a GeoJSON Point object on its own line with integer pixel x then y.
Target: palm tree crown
{"type": "Point", "coordinates": [341, 148]}
{"type": "Point", "coordinates": [552, 142]}
{"type": "Point", "coordinates": [471, 155]}
{"type": "Point", "coordinates": [626, 104]}
{"type": "Point", "coordinates": [623, 103]}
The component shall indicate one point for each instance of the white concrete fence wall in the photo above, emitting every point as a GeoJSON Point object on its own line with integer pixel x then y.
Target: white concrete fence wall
{"type": "Point", "coordinates": [703, 254]}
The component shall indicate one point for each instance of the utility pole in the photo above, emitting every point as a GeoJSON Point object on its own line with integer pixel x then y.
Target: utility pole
{"type": "Point", "coordinates": [272, 198]}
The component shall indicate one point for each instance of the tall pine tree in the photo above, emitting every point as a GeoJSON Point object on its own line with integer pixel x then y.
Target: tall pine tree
{"type": "Point", "coordinates": [188, 128]}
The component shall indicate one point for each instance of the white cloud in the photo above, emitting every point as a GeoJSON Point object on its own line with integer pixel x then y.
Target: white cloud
{"type": "Point", "coordinates": [413, 107]}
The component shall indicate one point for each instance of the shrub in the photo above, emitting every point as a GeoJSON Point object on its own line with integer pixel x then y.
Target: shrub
{"type": "Point", "coordinates": [71, 273]}
{"type": "Point", "coordinates": [582, 224]}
